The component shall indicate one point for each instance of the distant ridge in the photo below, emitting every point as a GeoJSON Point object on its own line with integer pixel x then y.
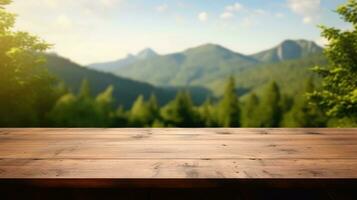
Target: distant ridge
{"type": "Point", "coordinates": [209, 65]}
{"type": "Point", "coordinates": [125, 90]}
{"type": "Point", "coordinates": [128, 60]}
{"type": "Point", "coordinates": [209, 62]}
{"type": "Point", "coordinates": [187, 67]}
{"type": "Point", "coordinates": [146, 54]}
{"type": "Point", "coordinates": [288, 50]}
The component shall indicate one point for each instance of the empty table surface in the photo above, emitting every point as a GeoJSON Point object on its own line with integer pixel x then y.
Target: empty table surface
{"type": "Point", "coordinates": [177, 154]}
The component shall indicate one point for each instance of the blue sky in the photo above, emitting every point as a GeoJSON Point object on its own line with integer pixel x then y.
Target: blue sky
{"type": "Point", "coordinates": [89, 31]}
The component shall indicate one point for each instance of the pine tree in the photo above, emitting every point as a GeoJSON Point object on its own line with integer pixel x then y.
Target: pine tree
{"type": "Point", "coordinates": [207, 114]}
{"type": "Point", "coordinates": [62, 115]}
{"type": "Point", "coordinates": [251, 111]}
{"type": "Point", "coordinates": [140, 114]}
{"type": "Point", "coordinates": [270, 110]}
{"type": "Point", "coordinates": [105, 106]}
{"type": "Point", "coordinates": [121, 118]}
{"type": "Point", "coordinates": [304, 113]}
{"type": "Point", "coordinates": [153, 108]}
{"type": "Point", "coordinates": [180, 112]}
{"type": "Point", "coordinates": [229, 109]}
{"type": "Point", "coordinates": [83, 110]}
{"type": "Point", "coordinates": [85, 91]}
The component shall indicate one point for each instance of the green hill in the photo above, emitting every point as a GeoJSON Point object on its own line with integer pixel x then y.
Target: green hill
{"type": "Point", "coordinates": [210, 65]}
{"type": "Point", "coordinates": [291, 76]}
{"type": "Point", "coordinates": [204, 70]}
{"type": "Point", "coordinates": [193, 67]}
{"type": "Point", "coordinates": [126, 90]}
{"type": "Point", "coordinates": [128, 60]}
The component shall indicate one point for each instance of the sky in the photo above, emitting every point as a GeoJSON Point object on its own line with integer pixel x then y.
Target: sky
{"type": "Point", "coordinates": [88, 31]}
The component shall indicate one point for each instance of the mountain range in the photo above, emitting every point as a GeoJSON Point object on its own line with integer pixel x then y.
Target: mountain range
{"type": "Point", "coordinates": [210, 64]}
{"type": "Point", "coordinates": [203, 70]}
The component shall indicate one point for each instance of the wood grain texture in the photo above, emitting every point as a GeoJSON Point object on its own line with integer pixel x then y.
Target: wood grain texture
{"type": "Point", "coordinates": [225, 154]}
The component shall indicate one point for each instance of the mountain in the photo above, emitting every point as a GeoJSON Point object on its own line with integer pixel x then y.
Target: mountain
{"type": "Point", "coordinates": [125, 90]}
{"type": "Point", "coordinates": [288, 50]}
{"type": "Point", "coordinates": [192, 67]}
{"type": "Point", "coordinates": [204, 70]}
{"type": "Point", "coordinates": [210, 65]}
{"type": "Point", "coordinates": [146, 54]}
{"type": "Point", "coordinates": [128, 60]}
{"type": "Point", "coordinates": [291, 75]}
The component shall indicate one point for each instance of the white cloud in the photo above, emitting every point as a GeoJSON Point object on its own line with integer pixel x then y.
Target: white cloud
{"type": "Point", "coordinates": [307, 9]}
{"type": "Point", "coordinates": [162, 8]}
{"type": "Point", "coordinates": [230, 10]}
{"type": "Point", "coordinates": [227, 15]}
{"type": "Point", "coordinates": [235, 7]}
{"type": "Point", "coordinates": [203, 16]}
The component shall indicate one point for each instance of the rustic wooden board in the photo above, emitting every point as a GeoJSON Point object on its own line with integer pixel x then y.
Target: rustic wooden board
{"type": "Point", "coordinates": [178, 154]}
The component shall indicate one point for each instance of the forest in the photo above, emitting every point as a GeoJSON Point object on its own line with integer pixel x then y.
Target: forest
{"type": "Point", "coordinates": [30, 96]}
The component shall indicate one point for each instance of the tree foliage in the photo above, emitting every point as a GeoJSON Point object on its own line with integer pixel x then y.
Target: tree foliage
{"type": "Point", "coordinates": [229, 109]}
{"type": "Point", "coordinates": [270, 110]}
{"type": "Point", "coordinates": [180, 112]}
{"type": "Point", "coordinates": [83, 110]}
{"type": "Point", "coordinates": [250, 112]}
{"type": "Point", "coordinates": [338, 97]}
{"type": "Point", "coordinates": [207, 113]}
{"type": "Point", "coordinates": [304, 113]}
{"type": "Point", "coordinates": [26, 89]}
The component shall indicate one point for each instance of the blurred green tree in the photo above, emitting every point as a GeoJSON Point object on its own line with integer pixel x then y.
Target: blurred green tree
{"type": "Point", "coordinates": [121, 118]}
{"type": "Point", "coordinates": [303, 112]}
{"type": "Point", "coordinates": [105, 107]}
{"type": "Point", "coordinates": [338, 96]}
{"type": "Point", "coordinates": [207, 111]}
{"type": "Point", "coordinates": [180, 112]}
{"type": "Point", "coordinates": [250, 112]}
{"type": "Point", "coordinates": [228, 109]}
{"type": "Point", "coordinates": [270, 111]}
{"type": "Point", "coordinates": [144, 113]}
{"type": "Point", "coordinates": [26, 89]}
{"type": "Point", "coordinates": [83, 110]}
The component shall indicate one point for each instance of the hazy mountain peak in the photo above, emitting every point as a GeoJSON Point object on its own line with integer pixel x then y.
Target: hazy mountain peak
{"type": "Point", "coordinates": [209, 49]}
{"type": "Point", "coordinates": [128, 60]}
{"type": "Point", "coordinates": [208, 46]}
{"type": "Point", "coordinates": [146, 53]}
{"type": "Point", "coordinates": [289, 50]}
{"type": "Point", "coordinates": [301, 42]}
{"type": "Point", "coordinates": [129, 55]}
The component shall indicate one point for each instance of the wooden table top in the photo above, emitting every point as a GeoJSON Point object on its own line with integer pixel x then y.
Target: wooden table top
{"type": "Point", "coordinates": [178, 154]}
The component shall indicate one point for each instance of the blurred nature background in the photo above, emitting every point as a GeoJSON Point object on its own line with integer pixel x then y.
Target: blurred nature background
{"type": "Point", "coordinates": [197, 80]}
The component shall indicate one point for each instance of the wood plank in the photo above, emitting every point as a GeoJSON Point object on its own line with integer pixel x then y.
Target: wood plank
{"type": "Point", "coordinates": [183, 131]}
{"type": "Point", "coordinates": [225, 154]}
{"type": "Point", "coordinates": [99, 151]}
{"type": "Point", "coordinates": [177, 169]}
